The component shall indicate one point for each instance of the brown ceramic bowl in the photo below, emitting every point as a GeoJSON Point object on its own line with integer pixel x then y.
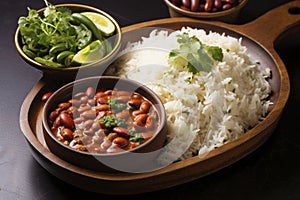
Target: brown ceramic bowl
{"type": "Point", "coordinates": [136, 159]}
{"type": "Point", "coordinates": [230, 15]}
{"type": "Point", "coordinates": [68, 73]}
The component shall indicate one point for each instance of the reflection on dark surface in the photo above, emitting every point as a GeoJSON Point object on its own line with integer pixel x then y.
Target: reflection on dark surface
{"type": "Point", "coordinates": [271, 172]}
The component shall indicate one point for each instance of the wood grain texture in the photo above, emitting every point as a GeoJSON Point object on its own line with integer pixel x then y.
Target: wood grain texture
{"type": "Point", "coordinates": [258, 36]}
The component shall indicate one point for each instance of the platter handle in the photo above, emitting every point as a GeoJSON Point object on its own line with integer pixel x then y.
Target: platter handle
{"type": "Point", "coordinates": [267, 28]}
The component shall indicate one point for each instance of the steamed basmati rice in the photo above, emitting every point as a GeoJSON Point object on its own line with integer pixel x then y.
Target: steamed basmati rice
{"type": "Point", "coordinates": [205, 110]}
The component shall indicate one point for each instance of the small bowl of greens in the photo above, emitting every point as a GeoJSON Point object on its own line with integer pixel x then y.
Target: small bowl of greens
{"type": "Point", "coordinates": [62, 39]}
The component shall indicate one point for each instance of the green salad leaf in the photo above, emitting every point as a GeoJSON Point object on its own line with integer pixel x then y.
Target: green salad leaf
{"type": "Point", "coordinates": [198, 57]}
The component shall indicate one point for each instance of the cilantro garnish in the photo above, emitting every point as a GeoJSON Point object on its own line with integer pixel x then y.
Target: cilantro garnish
{"type": "Point", "coordinates": [110, 121]}
{"type": "Point", "coordinates": [199, 57]}
{"type": "Point", "coordinates": [135, 136]}
{"type": "Point", "coordinates": [115, 105]}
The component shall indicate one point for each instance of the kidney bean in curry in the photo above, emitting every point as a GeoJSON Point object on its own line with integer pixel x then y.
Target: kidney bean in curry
{"type": "Point", "coordinates": [104, 121]}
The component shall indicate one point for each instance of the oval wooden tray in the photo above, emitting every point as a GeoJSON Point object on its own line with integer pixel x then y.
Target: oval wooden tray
{"type": "Point", "coordinates": [258, 36]}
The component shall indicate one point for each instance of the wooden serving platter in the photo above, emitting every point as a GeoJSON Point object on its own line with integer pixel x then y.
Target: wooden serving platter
{"type": "Point", "coordinates": [259, 37]}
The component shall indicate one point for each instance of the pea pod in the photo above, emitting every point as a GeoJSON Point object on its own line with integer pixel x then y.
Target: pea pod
{"type": "Point", "coordinates": [31, 46]}
{"type": "Point", "coordinates": [47, 62]}
{"type": "Point", "coordinates": [57, 48]}
{"type": "Point", "coordinates": [28, 52]}
{"type": "Point", "coordinates": [68, 60]}
{"type": "Point", "coordinates": [63, 55]}
{"type": "Point", "coordinates": [86, 21]}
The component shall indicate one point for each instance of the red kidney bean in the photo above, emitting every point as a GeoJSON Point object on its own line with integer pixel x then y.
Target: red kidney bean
{"type": "Point", "coordinates": [102, 107]}
{"type": "Point", "coordinates": [53, 115]}
{"type": "Point", "coordinates": [137, 112]}
{"type": "Point", "coordinates": [123, 132]}
{"type": "Point", "coordinates": [186, 3]}
{"type": "Point", "coordinates": [208, 5]}
{"type": "Point", "coordinates": [95, 126]}
{"type": "Point", "coordinates": [89, 133]}
{"type": "Point", "coordinates": [90, 92]}
{"type": "Point", "coordinates": [136, 96]}
{"type": "Point", "coordinates": [67, 120]}
{"type": "Point", "coordinates": [140, 120]}
{"type": "Point", "coordinates": [229, 1]}
{"type": "Point", "coordinates": [73, 111]}
{"type": "Point", "coordinates": [79, 95]}
{"type": "Point", "coordinates": [92, 102]}
{"type": "Point", "coordinates": [195, 5]}
{"type": "Point", "coordinates": [74, 102]}
{"type": "Point", "coordinates": [64, 105]}
{"type": "Point", "coordinates": [83, 108]}
{"type": "Point", "coordinates": [67, 134]}
{"type": "Point", "coordinates": [121, 142]}
{"type": "Point", "coordinates": [135, 102]}
{"type": "Point", "coordinates": [78, 120]}
{"type": "Point", "coordinates": [111, 136]}
{"type": "Point", "coordinates": [88, 124]}
{"type": "Point", "coordinates": [46, 96]}
{"type": "Point", "coordinates": [89, 114]}
{"type": "Point", "coordinates": [100, 114]}
{"type": "Point", "coordinates": [145, 106]}
{"type": "Point", "coordinates": [100, 94]}
{"type": "Point", "coordinates": [57, 122]}
{"type": "Point", "coordinates": [102, 100]}
{"type": "Point", "coordinates": [205, 5]}
{"type": "Point", "coordinates": [226, 6]}
{"type": "Point", "coordinates": [84, 99]}
{"type": "Point", "coordinates": [108, 92]}
{"type": "Point", "coordinates": [218, 4]}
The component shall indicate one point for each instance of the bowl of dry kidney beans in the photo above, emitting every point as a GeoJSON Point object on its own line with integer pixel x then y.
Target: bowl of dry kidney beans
{"type": "Point", "coordinates": [221, 10]}
{"type": "Point", "coordinates": [104, 117]}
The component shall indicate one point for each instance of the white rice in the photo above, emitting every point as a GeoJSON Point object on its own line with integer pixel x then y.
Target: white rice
{"type": "Point", "coordinates": [210, 109]}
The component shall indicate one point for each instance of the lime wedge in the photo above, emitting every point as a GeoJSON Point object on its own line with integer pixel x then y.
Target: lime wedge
{"type": "Point", "coordinates": [104, 24]}
{"type": "Point", "coordinates": [91, 53]}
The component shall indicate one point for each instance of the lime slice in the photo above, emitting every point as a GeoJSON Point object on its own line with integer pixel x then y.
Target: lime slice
{"type": "Point", "coordinates": [91, 53]}
{"type": "Point", "coordinates": [104, 24]}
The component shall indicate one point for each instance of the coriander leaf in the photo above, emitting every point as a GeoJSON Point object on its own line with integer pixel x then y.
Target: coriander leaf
{"type": "Point", "coordinates": [193, 54]}
{"type": "Point", "coordinates": [115, 105]}
{"type": "Point", "coordinates": [110, 121]}
{"type": "Point", "coordinates": [215, 52]}
{"type": "Point", "coordinates": [135, 136]}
